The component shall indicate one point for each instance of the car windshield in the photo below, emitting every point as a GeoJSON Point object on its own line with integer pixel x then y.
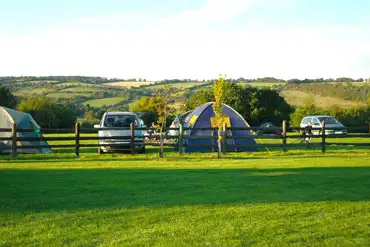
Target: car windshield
{"type": "Point", "coordinates": [119, 120]}
{"type": "Point", "coordinates": [328, 120]}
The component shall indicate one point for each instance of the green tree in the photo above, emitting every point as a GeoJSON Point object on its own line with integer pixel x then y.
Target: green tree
{"type": "Point", "coordinates": [164, 109]}
{"type": "Point", "coordinates": [7, 99]}
{"type": "Point", "coordinates": [255, 105]}
{"type": "Point", "coordinates": [48, 113]}
{"type": "Point", "coordinates": [218, 108]}
{"type": "Point", "coordinates": [145, 104]}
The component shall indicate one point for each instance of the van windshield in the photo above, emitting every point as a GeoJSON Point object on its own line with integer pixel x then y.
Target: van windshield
{"type": "Point", "coordinates": [328, 120]}
{"type": "Point", "coordinates": [119, 121]}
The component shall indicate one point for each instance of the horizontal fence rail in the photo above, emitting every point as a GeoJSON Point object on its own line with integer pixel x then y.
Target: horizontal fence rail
{"type": "Point", "coordinates": [132, 141]}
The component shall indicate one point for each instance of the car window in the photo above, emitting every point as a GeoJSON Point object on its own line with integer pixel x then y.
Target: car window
{"type": "Point", "coordinates": [120, 121]}
{"type": "Point", "coordinates": [315, 121]}
{"type": "Point", "coordinates": [328, 120]}
{"type": "Point", "coordinates": [306, 120]}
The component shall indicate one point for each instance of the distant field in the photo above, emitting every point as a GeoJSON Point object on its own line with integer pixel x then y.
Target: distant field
{"type": "Point", "coordinates": [178, 85]}
{"type": "Point", "coordinates": [297, 98]}
{"type": "Point", "coordinates": [28, 91]}
{"type": "Point", "coordinates": [263, 84]}
{"type": "Point", "coordinates": [83, 89]}
{"type": "Point", "coordinates": [128, 83]}
{"type": "Point", "coordinates": [353, 83]}
{"type": "Point", "coordinates": [67, 95]}
{"type": "Point", "coordinates": [105, 101]}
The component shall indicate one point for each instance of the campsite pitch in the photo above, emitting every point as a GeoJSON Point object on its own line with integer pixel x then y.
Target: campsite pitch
{"type": "Point", "coordinates": [261, 199]}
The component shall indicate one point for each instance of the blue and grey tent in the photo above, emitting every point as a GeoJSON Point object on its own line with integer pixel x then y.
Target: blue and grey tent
{"type": "Point", "coordinates": [23, 121]}
{"type": "Point", "coordinates": [202, 117]}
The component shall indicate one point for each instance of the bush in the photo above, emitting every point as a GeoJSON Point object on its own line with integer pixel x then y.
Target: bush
{"type": "Point", "coordinates": [7, 99]}
{"type": "Point", "coordinates": [48, 113]}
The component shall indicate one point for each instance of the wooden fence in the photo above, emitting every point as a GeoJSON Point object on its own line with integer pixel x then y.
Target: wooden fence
{"type": "Point", "coordinates": [358, 132]}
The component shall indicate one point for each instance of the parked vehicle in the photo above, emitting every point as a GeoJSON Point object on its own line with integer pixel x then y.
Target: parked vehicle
{"type": "Point", "coordinates": [333, 126]}
{"type": "Point", "coordinates": [112, 120]}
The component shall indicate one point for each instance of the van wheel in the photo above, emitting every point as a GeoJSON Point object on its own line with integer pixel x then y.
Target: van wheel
{"type": "Point", "coordinates": [100, 150]}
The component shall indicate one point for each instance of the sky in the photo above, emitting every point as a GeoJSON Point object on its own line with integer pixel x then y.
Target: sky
{"type": "Point", "coordinates": [193, 39]}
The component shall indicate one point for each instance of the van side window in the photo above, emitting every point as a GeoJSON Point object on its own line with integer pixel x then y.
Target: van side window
{"type": "Point", "coordinates": [315, 121]}
{"type": "Point", "coordinates": [306, 120]}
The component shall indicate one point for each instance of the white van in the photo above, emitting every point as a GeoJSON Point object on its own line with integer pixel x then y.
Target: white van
{"type": "Point", "coordinates": [330, 122]}
{"type": "Point", "coordinates": [111, 120]}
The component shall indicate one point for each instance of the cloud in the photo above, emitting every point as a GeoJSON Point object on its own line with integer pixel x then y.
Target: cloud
{"type": "Point", "coordinates": [212, 11]}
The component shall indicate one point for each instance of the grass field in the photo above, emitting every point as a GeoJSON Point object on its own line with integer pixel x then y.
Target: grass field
{"type": "Point", "coordinates": [261, 199]}
{"type": "Point", "coordinates": [105, 101]}
{"type": "Point", "coordinates": [298, 98]}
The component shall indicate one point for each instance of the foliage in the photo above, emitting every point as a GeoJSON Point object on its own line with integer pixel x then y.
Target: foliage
{"type": "Point", "coordinates": [218, 107]}
{"type": "Point", "coordinates": [164, 109]}
{"type": "Point", "coordinates": [7, 99]}
{"type": "Point", "coordinates": [48, 113]}
{"type": "Point", "coordinates": [145, 104]}
{"type": "Point", "coordinates": [255, 105]}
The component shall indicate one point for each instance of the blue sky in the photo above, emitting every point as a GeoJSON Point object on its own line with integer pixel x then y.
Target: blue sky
{"type": "Point", "coordinates": [185, 38]}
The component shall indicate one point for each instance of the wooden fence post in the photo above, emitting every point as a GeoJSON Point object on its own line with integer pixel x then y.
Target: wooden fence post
{"type": "Point", "coordinates": [14, 140]}
{"type": "Point", "coordinates": [285, 149]}
{"type": "Point", "coordinates": [132, 140]}
{"type": "Point", "coordinates": [323, 138]}
{"type": "Point", "coordinates": [224, 138]}
{"type": "Point", "coordinates": [181, 139]}
{"type": "Point", "coordinates": [77, 139]}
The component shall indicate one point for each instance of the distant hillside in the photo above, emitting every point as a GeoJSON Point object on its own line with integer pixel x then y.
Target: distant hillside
{"type": "Point", "coordinates": [297, 98]}
{"type": "Point", "coordinates": [343, 91]}
{"type": "Point", "coordinates": [112, 93]}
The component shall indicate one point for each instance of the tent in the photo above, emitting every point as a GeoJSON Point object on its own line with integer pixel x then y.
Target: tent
{"type": "Point", "coordinates": [267, 131]}
{"type": "Point", "coordinates": [23, 121]}
{"type": "Point", "coordinates": [202, 117]}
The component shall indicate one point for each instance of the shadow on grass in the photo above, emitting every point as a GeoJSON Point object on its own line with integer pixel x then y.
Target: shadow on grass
{"type": "Point", "coordinates": [81, 189]}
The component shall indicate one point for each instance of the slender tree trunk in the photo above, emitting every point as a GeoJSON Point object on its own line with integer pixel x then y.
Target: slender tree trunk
{"type": "Point", "coordinates": [161, 145]}
{"type": "Point", "coordinates": [219, 143]}
{"type": "Point", "coordinates": [161, 139]}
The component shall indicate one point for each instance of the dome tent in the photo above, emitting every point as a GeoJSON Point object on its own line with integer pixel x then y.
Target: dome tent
{"type": "Point", "coordinates": [202, 116]}
{"type": "Point", "coordinates": [23, 121]}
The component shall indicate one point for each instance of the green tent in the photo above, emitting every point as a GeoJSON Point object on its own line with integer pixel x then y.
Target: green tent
{"type": "Point", "coordinates": [23, 121]}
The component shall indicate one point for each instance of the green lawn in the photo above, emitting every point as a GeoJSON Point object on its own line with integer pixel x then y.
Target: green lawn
{"type": "Point", "coordinates": [105, 101]}
{"type": "Point", "coordinates": [300, 198]}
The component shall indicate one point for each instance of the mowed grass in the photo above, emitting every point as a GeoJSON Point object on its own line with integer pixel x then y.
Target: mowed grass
{"type": "Point", "coordinates": [299, 198]}
{"type": "Point", "coordinates": [298, 98]}
{"type": "Point", "coordinates": [105, 101]}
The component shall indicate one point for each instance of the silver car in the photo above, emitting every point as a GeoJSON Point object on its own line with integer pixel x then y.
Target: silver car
{"type": "Point", "coordinates": [330, 122]}
{"type": "Point", "coordinates": [112, 120]}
